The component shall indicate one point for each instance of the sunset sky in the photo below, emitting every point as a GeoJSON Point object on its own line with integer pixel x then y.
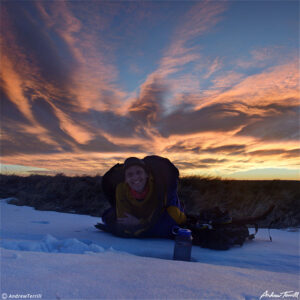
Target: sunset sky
{"type": "Point", "coordinates": [211, 85]}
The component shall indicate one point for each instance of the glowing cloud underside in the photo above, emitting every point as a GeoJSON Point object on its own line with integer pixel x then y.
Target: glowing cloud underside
{"type": "Point", "coordinates": [86, 84]}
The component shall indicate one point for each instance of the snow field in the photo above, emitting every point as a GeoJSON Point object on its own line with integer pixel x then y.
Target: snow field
{"type": "Point", "coordinates": [62, 256]}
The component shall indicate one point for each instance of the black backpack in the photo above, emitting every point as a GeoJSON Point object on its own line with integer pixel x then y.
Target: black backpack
{"type": "Point", "coordinates": [215, 229]}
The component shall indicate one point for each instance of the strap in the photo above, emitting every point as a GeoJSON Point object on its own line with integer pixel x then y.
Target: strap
{"type": "Point", "coordinates": [269, 227]}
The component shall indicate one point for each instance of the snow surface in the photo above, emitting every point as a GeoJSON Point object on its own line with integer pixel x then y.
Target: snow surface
{"type": "Point", "coordinates": [62, 256]}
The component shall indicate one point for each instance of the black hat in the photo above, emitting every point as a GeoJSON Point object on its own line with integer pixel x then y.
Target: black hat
{"type": "Point", "coordinates": [134, 161]}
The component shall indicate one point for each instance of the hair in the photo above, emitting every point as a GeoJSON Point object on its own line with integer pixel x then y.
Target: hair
{"type": "Point", "coordinates": [134, 161]}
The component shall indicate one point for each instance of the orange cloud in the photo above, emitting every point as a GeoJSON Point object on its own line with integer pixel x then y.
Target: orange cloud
{"type": "Point", "coordinates": [212, 119]}
{"type": "Point", "coordinates": [275, 84]}
{"type": "Point", "coordinates": [227, 80]}
{"type": "Point", "coordinates": [13, 87]}
{"type": "Point", "coordinates": [93, 80]}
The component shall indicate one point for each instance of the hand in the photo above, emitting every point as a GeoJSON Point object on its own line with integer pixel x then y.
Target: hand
{"type": "Point", "coordinates": [129, 220]}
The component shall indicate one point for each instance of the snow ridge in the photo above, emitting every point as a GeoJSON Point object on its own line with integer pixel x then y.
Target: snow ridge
{"type": "Point", "coordinates": [51, 244]}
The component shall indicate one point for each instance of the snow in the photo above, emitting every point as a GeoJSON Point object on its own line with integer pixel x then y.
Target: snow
{"type": "Point", "coordinates": [53, 255]}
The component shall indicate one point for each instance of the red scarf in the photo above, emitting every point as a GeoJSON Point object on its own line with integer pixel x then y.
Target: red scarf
{"type": "Point", "coordinates": [139, 195]}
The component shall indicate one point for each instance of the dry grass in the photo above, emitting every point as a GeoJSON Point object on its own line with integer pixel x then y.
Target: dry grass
{"type": "Point", "coordinates": [244, 198]}
{"type": "Point", "coordinates": [83, 194]}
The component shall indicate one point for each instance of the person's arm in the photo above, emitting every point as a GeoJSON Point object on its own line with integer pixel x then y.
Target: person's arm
{"type": "Point", "coordinates": [128, 220]}
{"type": "Point", "coordinates": [174, 207]}
{"type": "Point", "coordinates": [126, 223]}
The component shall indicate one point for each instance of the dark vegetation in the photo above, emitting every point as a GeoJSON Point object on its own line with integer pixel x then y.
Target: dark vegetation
{"type": "Point", "coordinates": [83, 195]}
{"type": "Point", "coordinates": [244, 198]}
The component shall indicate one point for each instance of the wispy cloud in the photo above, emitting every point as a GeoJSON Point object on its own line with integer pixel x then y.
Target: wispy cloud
{"type": "Point", "coordinates": [272, 124]}
{"type": "Point", "coordinates": [199, 19]}
{"type": "Point", "coordinates": [64, 69]}
{"type": "Point", "coordinates": [217, 117]}
{"type": "Point", "coordinates": [275, 84]}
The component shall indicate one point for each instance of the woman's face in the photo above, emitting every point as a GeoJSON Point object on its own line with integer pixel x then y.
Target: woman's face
{"type": "Point", "coordinates": [136, 178]}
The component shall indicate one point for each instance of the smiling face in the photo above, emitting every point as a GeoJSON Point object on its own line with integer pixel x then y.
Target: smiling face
{"type": "Point", "coordinates": [136, 177]}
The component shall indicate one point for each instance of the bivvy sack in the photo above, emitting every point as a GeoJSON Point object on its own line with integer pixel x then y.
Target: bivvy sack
{"type": "Point", "coordinates": [164, 172]}
{"type": "Point", "coordinates": [165, 177]}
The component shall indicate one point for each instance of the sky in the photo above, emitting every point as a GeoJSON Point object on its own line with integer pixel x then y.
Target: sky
{"type": "Point", "coordinates": [211, 85]}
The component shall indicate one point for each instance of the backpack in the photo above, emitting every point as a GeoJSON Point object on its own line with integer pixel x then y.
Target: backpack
{"type": "Point", "coordinates": [215, 229]}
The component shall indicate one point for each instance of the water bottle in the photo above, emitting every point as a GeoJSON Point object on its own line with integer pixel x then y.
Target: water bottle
{"type": "Point", "coordinates": [183, 244]}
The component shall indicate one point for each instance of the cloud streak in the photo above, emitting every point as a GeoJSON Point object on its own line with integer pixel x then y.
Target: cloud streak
{"type": "Point", "coordinates": [65, 67]}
